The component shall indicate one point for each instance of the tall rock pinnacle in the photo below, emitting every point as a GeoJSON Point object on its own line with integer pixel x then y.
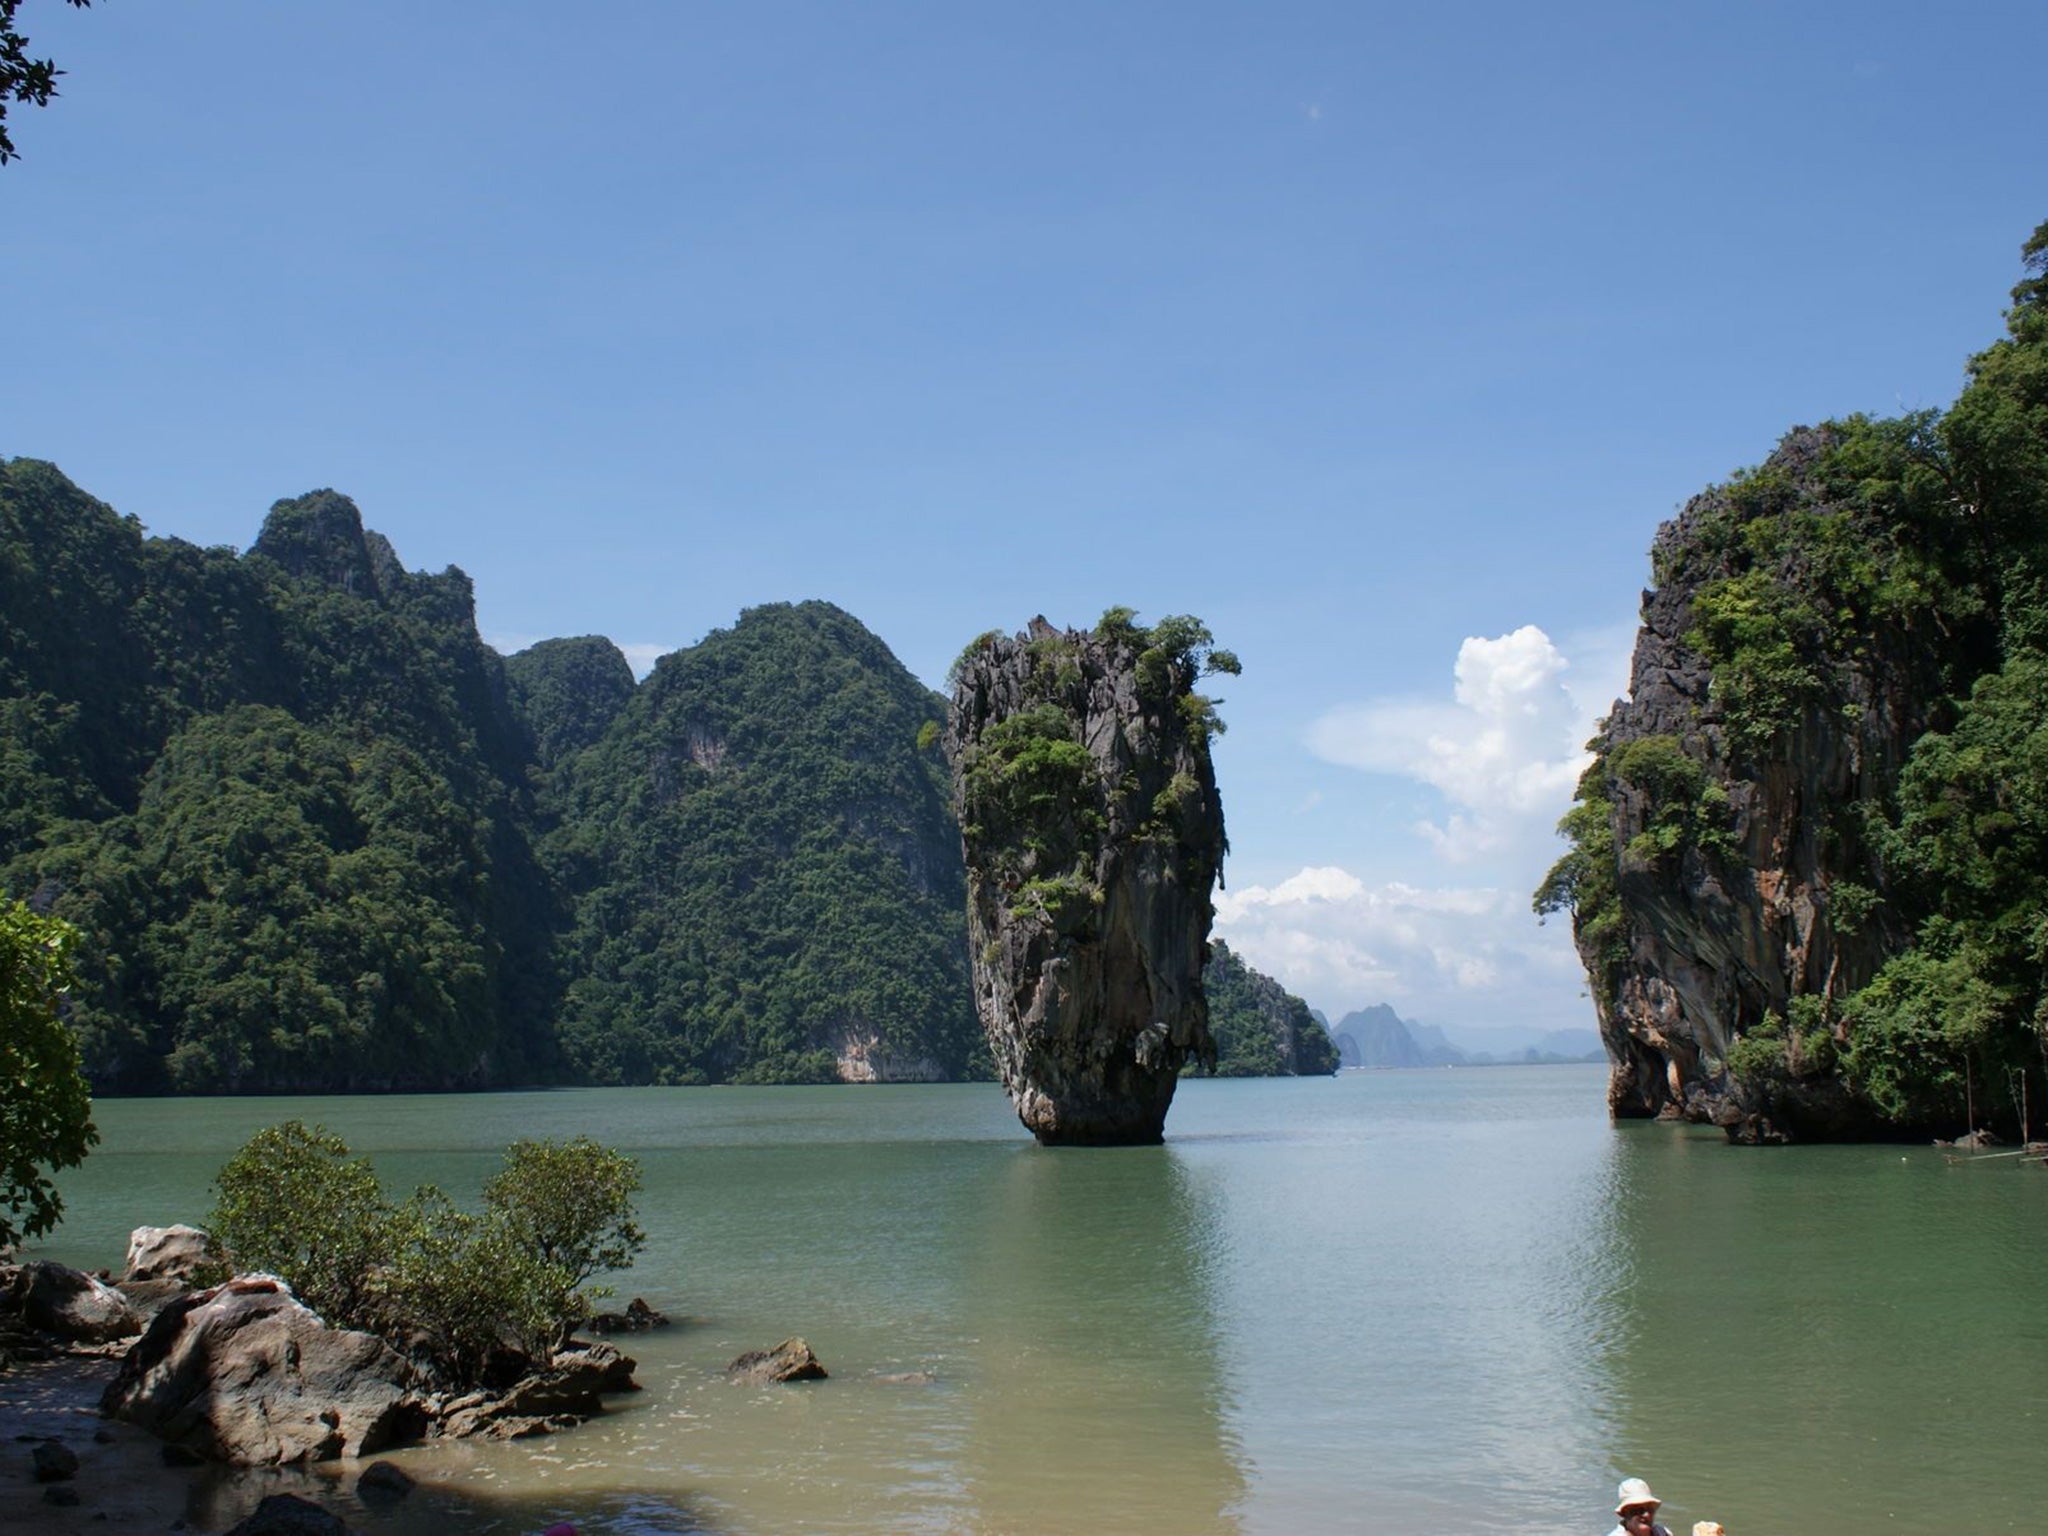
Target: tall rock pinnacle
{"type": "Point", "coordinates": [1093, 836]}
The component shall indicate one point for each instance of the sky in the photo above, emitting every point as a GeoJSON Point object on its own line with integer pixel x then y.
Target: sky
{"type": "Point", "coordinates": [1381, 338]}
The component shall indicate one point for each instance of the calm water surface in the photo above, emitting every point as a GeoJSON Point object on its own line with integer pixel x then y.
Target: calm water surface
{"type": "Point", "coordinates": [1451, 1301]}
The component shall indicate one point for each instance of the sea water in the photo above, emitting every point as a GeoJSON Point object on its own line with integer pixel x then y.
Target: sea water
{"type": "Point", "coordinates": [1453, 1301]}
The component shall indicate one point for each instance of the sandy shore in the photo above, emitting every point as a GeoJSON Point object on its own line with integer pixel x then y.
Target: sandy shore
{"type": "Point", "coordinates": [122, 1482]}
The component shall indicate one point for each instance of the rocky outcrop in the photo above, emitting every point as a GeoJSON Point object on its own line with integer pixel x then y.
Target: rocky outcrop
{"type": "Point", "coordinates": [1093, 837]}
{"type": "Point", "coordinates": [69, 1304]}
{"type": "Point", "coordinates": [557, 1395]}
{"type": "Point", "coordinates": [791, 1360]}
{"type": "Point", "coordinates": [164, 1253]}
{"type": "Point", "coordinates": [244, 1373]}
{"type": "Point", "coordinates": [1743, 876]}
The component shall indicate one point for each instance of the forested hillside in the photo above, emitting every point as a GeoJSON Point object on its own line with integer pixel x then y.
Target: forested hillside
{"type": "Point", "coordinates": [1260, 1028]}
{"type": "Point", "coordinates": [765, 877]}
{"type": "Point", "coordinates": [1809, 867]}
{"type": "Point", "coordinates": [282, 795]}
{"type": "Point", "coordinates": [317, 835]}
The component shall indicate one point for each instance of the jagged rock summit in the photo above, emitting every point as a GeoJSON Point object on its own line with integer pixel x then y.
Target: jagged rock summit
{"type": "Point", "coordinates": [1093, 837]}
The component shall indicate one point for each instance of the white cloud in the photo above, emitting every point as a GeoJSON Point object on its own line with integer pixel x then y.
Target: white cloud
{"type": "Point", "coordinates": [1447, 954]}
{"type": "Point", "coordinates": [1504, 751]}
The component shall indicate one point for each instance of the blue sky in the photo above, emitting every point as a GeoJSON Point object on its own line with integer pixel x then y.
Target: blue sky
{"type": "Point", "coordinates": [1382, 338]}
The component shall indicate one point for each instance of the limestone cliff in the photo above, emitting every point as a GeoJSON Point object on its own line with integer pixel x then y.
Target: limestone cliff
{"type": "Point", "coordinates": [1093, 837]}
{"type": "Point", "coordinates": [1729, 883]}
{"type": "Point", "coordinates": [1808, 871]}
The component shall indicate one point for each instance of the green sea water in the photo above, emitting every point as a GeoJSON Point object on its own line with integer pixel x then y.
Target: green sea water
{"type": "Point", "coordinates": [1448, 1301]}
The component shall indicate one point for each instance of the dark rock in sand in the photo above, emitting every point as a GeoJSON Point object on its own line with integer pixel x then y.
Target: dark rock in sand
{"type": "Point", "coordinates": [383, 1480]}
{"type": "Point", "coordinates": [244, 1373]}
{"type": "Point", "coordinates": [55, 1462]}
{"type": "Point", "coordinates": [791, 1360]}
{"type": "Point", "coordinates": [286, 1514]}
{"type": "Point", "coordinates": [1093, 837]}
{"type": "Point", "coordinates": [61, 1494]}
{"type": "Point", "coordinates": [71, 1304]}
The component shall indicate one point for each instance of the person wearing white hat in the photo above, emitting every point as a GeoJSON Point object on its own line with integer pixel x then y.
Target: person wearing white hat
{"type": "Point", "coordinates": [1636, 1508]}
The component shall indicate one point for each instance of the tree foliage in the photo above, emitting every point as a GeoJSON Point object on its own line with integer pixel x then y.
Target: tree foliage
{"type": "Point", "coordinates": [763, 866]}
{"type": "Point", "coordinates": [452, 1287]}
{"type": "Point", "coordinates": [570, 1202]}
{"type": "Point", "coordinates": [1260, 1028]}
{"type": "Point", "coordinates": [45, 1109]}
{"type": "Point", "coordinates": [24, 79]}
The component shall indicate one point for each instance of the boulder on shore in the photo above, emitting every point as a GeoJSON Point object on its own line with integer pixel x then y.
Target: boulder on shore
{"type": "Point", "coordinates": [245, 1373]}
{"type": "Point", "coordinates": [286, 1514]}
{"type": "Point", "coordinates": [164, 1253]}
{"type": "Point", "coordinates": [562, 1393]}
{"type": "Point", "coordinates": [70, 1304]}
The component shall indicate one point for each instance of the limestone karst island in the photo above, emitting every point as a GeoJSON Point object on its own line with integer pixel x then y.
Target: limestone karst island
{"type": "Point", "coordinates": [932, 770]}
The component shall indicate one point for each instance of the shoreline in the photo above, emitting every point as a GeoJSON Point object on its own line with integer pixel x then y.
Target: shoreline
{"type": "Point", "coordinates": [123, 1482]}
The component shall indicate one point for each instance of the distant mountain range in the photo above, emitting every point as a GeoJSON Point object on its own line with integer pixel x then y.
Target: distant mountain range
{"type": "Point", "coordinates": [1380, 1037]}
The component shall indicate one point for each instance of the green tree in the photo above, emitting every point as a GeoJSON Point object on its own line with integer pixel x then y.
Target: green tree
{"type": "Point", "coordinates": [452, 1288]}
{"type": "Point", "coordinates": [45, 1109]}
{"type": "Point", "coordinates": [293, 1203]}
{"type": "Point", "coordinates": [569, 1202]}
{"type": "Point", "coordinates": [23, 80]}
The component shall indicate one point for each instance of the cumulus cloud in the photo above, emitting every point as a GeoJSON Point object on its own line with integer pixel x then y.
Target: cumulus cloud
{"type": "Point", "coordinates": [1504, 750]}
{"type": "Point", "coordinates": [1446, 954]}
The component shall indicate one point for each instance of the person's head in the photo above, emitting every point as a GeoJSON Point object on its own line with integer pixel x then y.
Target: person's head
{"type": "Point", "coordinates": [1636, 1507]}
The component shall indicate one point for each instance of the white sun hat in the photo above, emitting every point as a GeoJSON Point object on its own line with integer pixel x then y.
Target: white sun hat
{"type": "Point", "coordinates": [1633, 1494]}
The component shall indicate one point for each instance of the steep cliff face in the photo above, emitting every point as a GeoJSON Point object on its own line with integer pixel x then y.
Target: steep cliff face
{"type": "Point", "coordinates": [1808, 871]}
{"type": "Point", "coordinates": [1093, 837]}
{"type": "Point", "coordinates": [1739, 822]}
{"type": "Point", "coordinates": [1731, 884]}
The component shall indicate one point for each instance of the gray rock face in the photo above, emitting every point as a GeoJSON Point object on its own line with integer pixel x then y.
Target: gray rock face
{"type": "Point", "coordinates": [1093, 838]}
{"type": "Point", "coordinates": [164, 1253]}
{"type": "Point", "coordinates": [1713, 940]}
{"type": "Point", "coordinates": [791, 1360]}
{"type": "Point", "coordinates": [562, 1393]}
{"type": "Point", "coordinates": [244, 1373]}
{"type": "Point", "coordinates": [71, 1304]}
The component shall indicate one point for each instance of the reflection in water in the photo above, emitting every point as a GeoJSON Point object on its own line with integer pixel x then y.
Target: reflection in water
{"type": "Point", "coordinates": [1099, 1404]}
{"type": "Point", "coordinates": [1854, 1331]}
{"type": "Point", "coordinates": [1452, 1302]}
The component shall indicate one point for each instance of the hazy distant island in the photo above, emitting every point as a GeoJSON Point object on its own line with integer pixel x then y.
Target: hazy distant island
{"type": "Point", "coordinates": [317, 836]}
{"type": "Point", "coordinates": [1809, 865]}
{"type": "Point", "coordinates": [1380, 1037]}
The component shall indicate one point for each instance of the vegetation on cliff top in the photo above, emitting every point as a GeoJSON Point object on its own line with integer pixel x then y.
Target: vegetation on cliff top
{"type": "Point", "coordinates": [1916, 545]}
{"type": "Point", "coordinates": [1033, 798]}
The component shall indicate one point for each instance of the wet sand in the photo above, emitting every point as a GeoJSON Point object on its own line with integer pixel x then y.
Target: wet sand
{"type": "Point", "coordinates": [122, 1482]}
